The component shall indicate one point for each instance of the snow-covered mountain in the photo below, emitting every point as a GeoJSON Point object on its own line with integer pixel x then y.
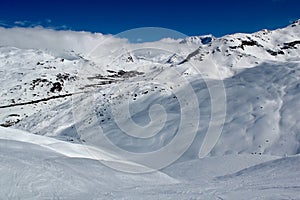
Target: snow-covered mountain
{"type": "Point", "coordinates": [233, 100]}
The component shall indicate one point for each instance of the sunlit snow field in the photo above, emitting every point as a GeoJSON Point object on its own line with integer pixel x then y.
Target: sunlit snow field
{"type": "Point", "coordinates": [231, 105]}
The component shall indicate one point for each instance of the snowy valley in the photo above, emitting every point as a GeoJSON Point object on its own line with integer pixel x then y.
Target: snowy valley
{"type": "Point", "coordinates": [92, 116]}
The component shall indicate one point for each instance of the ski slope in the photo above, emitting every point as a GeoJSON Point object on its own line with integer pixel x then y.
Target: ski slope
{"type": "Point", "coordinates": [97, 117]}
{"type": "Point", "coordinates": [38, 167]}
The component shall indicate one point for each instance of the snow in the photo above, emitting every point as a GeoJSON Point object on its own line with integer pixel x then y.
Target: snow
{"type": "Point", "coordinates": [38, 167]}
{"type": "Point", "coordinates": [93, 116]}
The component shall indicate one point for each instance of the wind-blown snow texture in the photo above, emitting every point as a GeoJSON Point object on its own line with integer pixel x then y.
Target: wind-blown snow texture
{"type": "Point", "coordinates": [55, 95]}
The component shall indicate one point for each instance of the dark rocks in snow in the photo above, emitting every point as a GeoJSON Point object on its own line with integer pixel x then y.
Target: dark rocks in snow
{"type": "Point", "coordinates": [65, 77]}
{"type": "Point", "coordinates": [129, 59]}
{"type": "Point", "coordinates": [121, 73]}
{"type": "Point", "coordinates": [37, 81]}
{"type": "Point", "coordinates": [10, 123]}
{"type": "Point", "coordinates": [111, 71]}
{"type": "Point", "coordinates": [244, 43]}
{"type": "Point", "coordinates": [291, 45]}
{"type": "Point", "coordinates": [249, 43]}
{"type": "Point", "coordinates": [274, 53]}
{"type": "Point", "coordinates": [206, 40]}
{"type": "Point", "coordinates": [11, 120]}
{"type": "Point", "coordinates": [57, 87]}
{"type": "Point", "coordinates": [97, 76]}
{"type": "Point", "coordinates": [124, 74]}
{"type": "Point", "coordinates": [172, 59]}
{"type": "Point", "coordinates": [14, 115]}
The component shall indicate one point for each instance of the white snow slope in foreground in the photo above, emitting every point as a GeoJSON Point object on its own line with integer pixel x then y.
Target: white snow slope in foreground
{"type": "Point", "coordinates": [59, 87]}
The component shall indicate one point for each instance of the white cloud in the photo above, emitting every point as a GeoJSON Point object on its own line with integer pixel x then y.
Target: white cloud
{"type": "Point", "coordinates": [61, 27]}
{"type": "Point", "coordinates": [21, 23]}
{"type": "Point", "coordinates": [3, 23]}
{"type": "Point", "coordinates": [27, 23]}
{"type": "Point", "coordinates": [48, 21]}
{"type": "Point", "coordinates": [56, 40]}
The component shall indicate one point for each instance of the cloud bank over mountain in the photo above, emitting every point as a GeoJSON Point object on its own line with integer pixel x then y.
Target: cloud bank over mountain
{"type": "Point", "coordinates": [54, 40]}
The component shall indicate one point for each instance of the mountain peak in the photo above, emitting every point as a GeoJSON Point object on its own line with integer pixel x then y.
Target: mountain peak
{"type": "Point", "coordinates": [203, 39]}
{"type": "Point", "coordinates": [296, 22]}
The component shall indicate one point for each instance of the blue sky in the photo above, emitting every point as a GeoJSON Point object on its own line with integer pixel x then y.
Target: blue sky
{"type": "Point", "coordinates": [189, 17]}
